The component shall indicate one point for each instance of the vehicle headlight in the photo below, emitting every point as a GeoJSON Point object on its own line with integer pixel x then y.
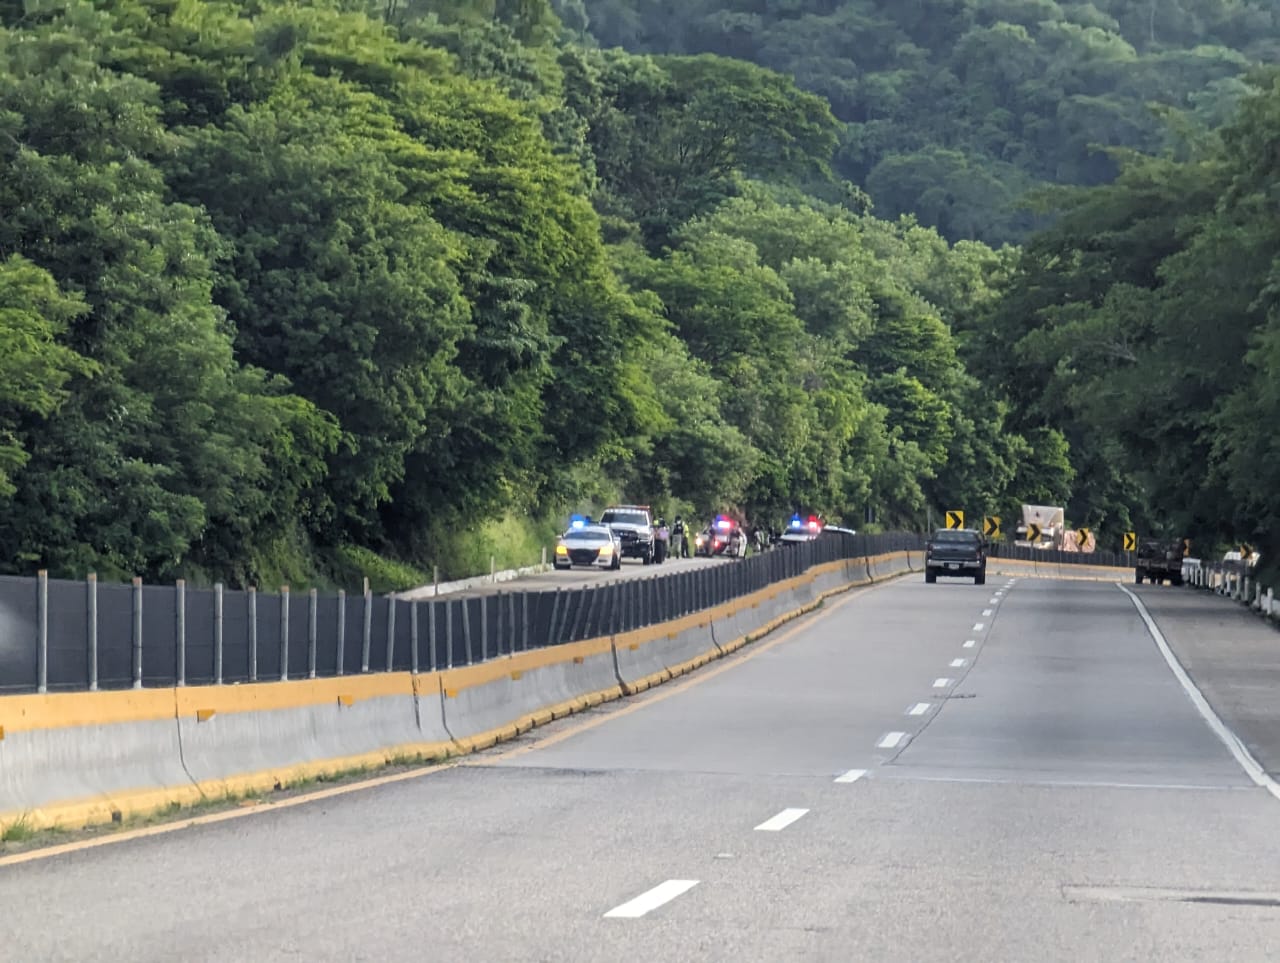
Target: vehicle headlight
{"type": "Point", "coordinates": [606, 549]}
{"type": "Point", "coordinates": [562, 549]}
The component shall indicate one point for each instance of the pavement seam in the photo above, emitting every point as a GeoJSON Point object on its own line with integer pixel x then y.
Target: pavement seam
{"type": "Point", "coordinates": [1252, 768]}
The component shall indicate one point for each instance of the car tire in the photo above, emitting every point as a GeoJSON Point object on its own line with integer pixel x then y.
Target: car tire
{"type": "Point", "coordinates": [930, 576]}
{"type": "Point", "coordinates": [1137, 577]}
{"type": "Point", "coordinates": [617, 562]}
{"type": "Point", "coordinates": [980, 578]}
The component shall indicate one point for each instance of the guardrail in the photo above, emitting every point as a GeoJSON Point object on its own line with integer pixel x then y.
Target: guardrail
{"type": "Point", "coordinates": [67, 636]}
{"type": "Point", "coordinates": [1233, 580]}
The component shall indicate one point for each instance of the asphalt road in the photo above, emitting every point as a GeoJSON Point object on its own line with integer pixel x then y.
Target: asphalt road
{"type": "Point", "coordinates": [943, 772]}
{"type": "Point", "coordinates": [579, 577]}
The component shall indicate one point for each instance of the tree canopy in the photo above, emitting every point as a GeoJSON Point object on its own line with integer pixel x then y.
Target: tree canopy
{"type": "Point", "coordinates": [291, 288]}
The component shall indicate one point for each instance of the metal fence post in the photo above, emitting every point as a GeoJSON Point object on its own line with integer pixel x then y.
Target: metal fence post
{"type": "Point", "coordinates": [367, 644]}
{"type": "Point", "coordinates": [42, 631]}
{"type": "Point", "coordinates": [391, 631]}
{"type": "Point", "coordinates": [313, 607]}
{"type": "Point", "coordinates": [217, 633]}
{"type": "Point", "coordinates": [342, 631]}
{"type": "Point", "coordinates": [91, 603]}
{"type": "Point", "coordinates": [252, 599]}
{"type": "Point", "coordinates": [180, 629]}
{"type": "Point", "coordinates": [284, 633]}
{"type": "Point", "coordinates": [137, 633]}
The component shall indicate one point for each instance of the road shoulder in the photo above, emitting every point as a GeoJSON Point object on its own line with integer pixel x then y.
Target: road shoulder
{"type": "Point", "coordinates": [1233, 657]}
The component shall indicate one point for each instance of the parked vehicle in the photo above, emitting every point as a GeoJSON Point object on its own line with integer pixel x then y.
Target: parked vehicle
{"type": "Point", "coordinates": [592, 545]}
{"type": "Point", "coordinates": [1160, 560]}
{"type": "Point", "coordinates": [634, 527]}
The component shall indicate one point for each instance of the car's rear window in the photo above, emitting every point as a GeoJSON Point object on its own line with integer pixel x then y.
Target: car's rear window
{"type": "Point", "coordinates": [950, 535]}
{"type": "Point", "coordinates": [624, 518]}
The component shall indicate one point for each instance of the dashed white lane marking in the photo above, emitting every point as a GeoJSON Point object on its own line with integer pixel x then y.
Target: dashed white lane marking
{"type": "Point", "coordinates": [781, 821]}
{"type": "Point", "coordinates": [941, 683]}
{"type": "Point", "coordinates": [919, 709]}
{"type": "Point", "coordinates": [987, 612]}
{"type": "Point", "coordinates": [853, 775]}
{"type": "Point", "coordinates": [891, 740]}
{"type": "Point", "coordinates": [994, 601]}
{"type": "Point", "coordinates": [979, 626]}
{"type": "Point", "coordinates": [652, 899]}
{"type": "Point", "coordinates": [957, 663]}
{"type": "Point", "coordinates": [970, 643]}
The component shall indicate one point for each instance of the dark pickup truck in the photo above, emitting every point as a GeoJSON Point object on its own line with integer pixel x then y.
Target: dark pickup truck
{"type": "Point", "coordinates": [1159, 560]}
{"type": "Point", "coordinates": [959, 552]}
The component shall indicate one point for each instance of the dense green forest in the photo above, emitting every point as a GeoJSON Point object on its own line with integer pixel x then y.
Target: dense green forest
{"type": "Point", "coordinates": [952, 110]}
{"type": "Point", "coordinates": [300, 292]}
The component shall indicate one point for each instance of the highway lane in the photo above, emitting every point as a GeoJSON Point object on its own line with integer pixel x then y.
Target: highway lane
{"type": "Point", "coordinates": [1056, 798]}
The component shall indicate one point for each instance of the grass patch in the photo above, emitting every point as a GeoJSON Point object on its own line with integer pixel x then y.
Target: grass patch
{"type": "Point", "coordinates": [18, 831]}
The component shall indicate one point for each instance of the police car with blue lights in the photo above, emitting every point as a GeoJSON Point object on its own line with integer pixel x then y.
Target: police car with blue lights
{"type": "Point", "coordinates": [801, 529]}
{"type": "Point", "coordinates": [589, 544]}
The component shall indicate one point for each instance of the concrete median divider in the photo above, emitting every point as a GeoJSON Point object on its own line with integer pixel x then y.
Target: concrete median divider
{"type": "Point", "coordinates": [1063, 570]}
{"type": "Point", "coordinates": [492, 701]}
{"type": "Point", "coordinates": [75, 759]}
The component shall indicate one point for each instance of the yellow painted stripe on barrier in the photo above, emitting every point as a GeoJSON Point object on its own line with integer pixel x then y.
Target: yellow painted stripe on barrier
{"type": "Point", "coordinates": [470, 676]}
{"type": "Point", "coordinates": [64, 710]}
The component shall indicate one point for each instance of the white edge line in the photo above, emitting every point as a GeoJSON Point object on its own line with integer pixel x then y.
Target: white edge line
{"type": "Point", "coordinates": [1250, 765]}
{"type": "Point", "coordinates": [652, 899]}
{"type": "Point", "coordinates": [891, 740]}
{"type": "Point", "coordinates": [853, 775]}
{"type": "Point", "coordinates": [781, 821]}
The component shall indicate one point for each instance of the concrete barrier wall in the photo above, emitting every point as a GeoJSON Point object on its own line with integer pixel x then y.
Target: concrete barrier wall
{"type": "Point", "coordinates": [81, 758]}
{"type": "Point", "coordinates": [1088, 573]}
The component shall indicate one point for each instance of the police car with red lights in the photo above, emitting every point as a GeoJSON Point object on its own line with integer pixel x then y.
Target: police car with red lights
{"type": "Point", "coordinates": [587, 543]}
{"type": "Point", "coordinates": [723, 536]}
{"type": "Point", "coordinates": [801, 529]}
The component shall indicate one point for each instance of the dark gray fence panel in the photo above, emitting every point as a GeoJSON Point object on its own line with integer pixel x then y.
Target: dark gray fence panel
{"type": "Point", "coordinates": [159, 636]}
{"type": "Point", "coordinates": [68, 635]}
{"type": "Point", "coordinates": [402, 656]}
{"type": "Point", "coordinates": [269, 607]}
{"type": "Point", "coordinates": [115, 636]}
{"type": "Point", "coordinates": [200, 609]}
{"type": "Point", "coordinates": [299, 629]}
{"type": "Point", "coordinates": [235, 637]}
{"type": "Point", "coordinates": [353, 643]}
{"type": "Point", "coordinates": [327, 635]}
{"type": "Point", "coordinates": [18, 663]}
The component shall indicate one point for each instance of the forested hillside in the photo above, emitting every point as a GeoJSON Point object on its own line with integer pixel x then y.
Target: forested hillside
{"type": "Point", "coordinates": [284, 286]}
{"type": "Point", "coordinates": [1146, 325]}
{"type": "Point", "coordinates": [303, 292]}
{"type": "Point", "coordinates": [954, 109]}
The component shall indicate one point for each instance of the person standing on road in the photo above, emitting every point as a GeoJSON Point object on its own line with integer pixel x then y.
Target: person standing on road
{"type": "Point", "coordinates": [678, 547]}
{"type": "Point", "coordinates": [661, 541]}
